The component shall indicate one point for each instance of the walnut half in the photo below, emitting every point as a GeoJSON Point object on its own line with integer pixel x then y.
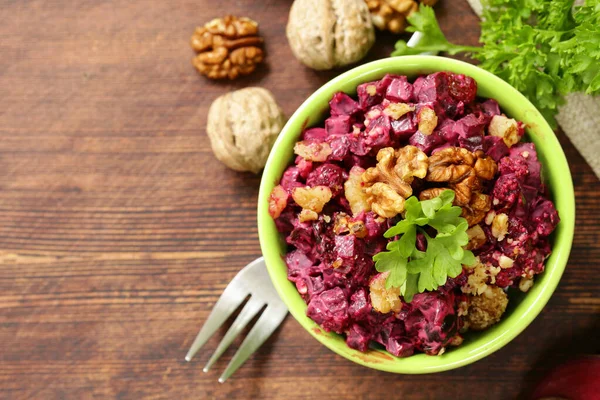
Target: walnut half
{"type": "Point", "coordinates": [389, 183]}
{"type": "Point", "coordinates": [462, 170]}
{"type": "Point", "coordinates": [227, 47]}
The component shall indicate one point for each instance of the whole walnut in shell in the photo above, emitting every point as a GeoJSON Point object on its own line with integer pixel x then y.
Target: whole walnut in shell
{"type": "Point", "coordinates": [242, 127]}
{"type": "Point", "coordinates": [326, 34]}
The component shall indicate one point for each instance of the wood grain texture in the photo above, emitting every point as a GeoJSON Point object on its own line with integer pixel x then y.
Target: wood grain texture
{"type": "Point", "coordinates": [119, 229]}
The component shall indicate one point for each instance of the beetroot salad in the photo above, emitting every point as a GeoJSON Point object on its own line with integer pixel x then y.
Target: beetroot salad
{"type": "Point", "coordinates": [410, 212]}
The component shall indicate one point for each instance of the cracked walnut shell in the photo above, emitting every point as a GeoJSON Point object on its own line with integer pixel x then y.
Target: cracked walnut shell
{"type": "Point", "coordinates": [228, 47]}
{"type": "Point", "coordinates": [242, 127]}
{"type": "Point", "coordinates": [326, 34]}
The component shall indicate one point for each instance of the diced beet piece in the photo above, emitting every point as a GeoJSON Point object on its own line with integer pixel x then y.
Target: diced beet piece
{"type": "Point", "coordinates": [297, 260]}
{"type": "Point", "coordinates": [302, 237]}
{"type": "Point", "coordinates": [400, 347]}
{"type": "Point", "coordinates": [378, 132]}
{"type": "Point", "coordinates": [426, 142]}
{"type": "Point", "coordinates": [340, 146]}
{"type": "Point", "coordinates": [495, 147]}
{"type": "Point", "coordinates": [338, 125]}
{"type": "Point", "coordinates": [404, 127]}
{"type": "Point", "coordinates": [333, 278]}
{"type": "Point", "coordinates": [358, 145]}
{"type": "Point", "coordinates": [291, 179]}
{"type": "Point", "coordinates": [315, 135]}
{"type": "Point", "coordinates": [471, 125]}
{"type": "Point", "coordinates": [360, 305]}
{"type": "Point", "coordinates": [368, 95]}
{"type": "Point", "coordinates": [431, 88]}
{"type": "Point", "coordinates": [447, 131]}
{"type": "Point", "coordinates": [358, 337]}
{"type": "Point", "coordinates": [432, 321]}
{"type": "Point", "coordinates": [491, 107]}
{"type": "Point", "coordinates": [329, 309]}
{"type": "Point", "coordinates": [384, 83]}
{"type": "Point", "coordinates": [284, 223]}
{"type": "Point", "coordinates": [348, 248]}
{"type": "Point", "coordinates": [342, 104]}
{"type": "Point", "coordinates": [330, 175]}
{"type": "Point", "coordinates": [525, 152]}
{"type": "Point", "coordinates": [434, 89]}
{"type": "Point", "coordinates": [544, 217]}
{"type": "Point", "coordinates": [472, 143]}
{"type": "Point", "coordinates": [399, 90]}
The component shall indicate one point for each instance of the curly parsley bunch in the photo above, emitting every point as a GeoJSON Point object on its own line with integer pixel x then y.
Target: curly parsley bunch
{"type": "Point", "coordinates": [415, 271]}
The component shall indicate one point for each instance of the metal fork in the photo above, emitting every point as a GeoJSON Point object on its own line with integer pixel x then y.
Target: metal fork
{"type": "Point", "coordinates": [253, 280]}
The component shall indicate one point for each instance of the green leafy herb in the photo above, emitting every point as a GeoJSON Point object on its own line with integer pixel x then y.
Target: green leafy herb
{"type": "Point", "coordinates": [415, 271]}
{"type": "Point", "coordinates": [544, 48]}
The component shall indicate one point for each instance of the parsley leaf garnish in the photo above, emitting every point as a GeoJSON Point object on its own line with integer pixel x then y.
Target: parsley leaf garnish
{"type": "Point", "coordinates": [415, 271]}
{"type": "Point", "coordinates": [546, 49]}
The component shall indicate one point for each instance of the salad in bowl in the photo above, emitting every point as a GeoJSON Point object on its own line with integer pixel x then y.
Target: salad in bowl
{"type": "Point", "coordinates": [411, 215]}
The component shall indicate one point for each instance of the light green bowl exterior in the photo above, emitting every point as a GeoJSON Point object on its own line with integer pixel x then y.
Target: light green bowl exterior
{"type": "Point", "coordinates": [522, 308]}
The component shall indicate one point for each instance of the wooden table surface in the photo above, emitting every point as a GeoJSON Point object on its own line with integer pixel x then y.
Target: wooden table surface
{"type": "Point", "coordinates": [119, 229]}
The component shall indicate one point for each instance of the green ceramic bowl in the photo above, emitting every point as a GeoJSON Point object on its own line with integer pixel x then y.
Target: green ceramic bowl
{"type": "Point", "coordinates": [523, 308]}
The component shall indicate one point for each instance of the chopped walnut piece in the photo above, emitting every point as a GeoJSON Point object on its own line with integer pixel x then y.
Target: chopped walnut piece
{"type": "Point", "coordinates": [398, 110]}
{"type": "Point", "coordinates": [277, 201]}
{"type": "Point", "coordinates": [489, 217]}
{"type": "Point", "coordinates": [486, 309]}
{"type": "Point", "coordinates": [506, 128]}
{"type": "Point", "coordinates": [505, 262]}
{"type": "Point", "coordinates": [317, 152]}
{"type": "Point", "coordinates": [525, 284]}
{"type": "Point", "coordinates": [343, 224]}
{"type": "Point", "coordinates": [485, 167]}
{"type": "Point", "coordinates": [382, 299]}
{"type": "Point", "coordinates": [477, 278]}
{"type": "Point", "coordinates": [312, 199]}
{"type": "Point", "coordinates": [476, 210]}
{"type": "Point", "coordinates": [456, 341]}
{"type": "Point", "coordinates": [477, 237]}
{"type": "Point", "coordinates": [307, 215]}
{"type": "Point", "coordinates": [227, 47]}
{"type": "Point", "coordinates": [500, 226]}
{"type": "Point", "coordinates": [354, 191]}
{"type": "Point", "coordinates": [384, 200]}
{"type": "Point", "coordinates": [427, 120]}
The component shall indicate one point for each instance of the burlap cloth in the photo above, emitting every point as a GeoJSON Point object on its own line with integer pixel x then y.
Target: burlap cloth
{"type": "Point", "coordinates": [579, 118]}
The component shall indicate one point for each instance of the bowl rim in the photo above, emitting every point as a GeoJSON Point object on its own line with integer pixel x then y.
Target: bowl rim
{"type": "Point", "coordinates": [538, 130]}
